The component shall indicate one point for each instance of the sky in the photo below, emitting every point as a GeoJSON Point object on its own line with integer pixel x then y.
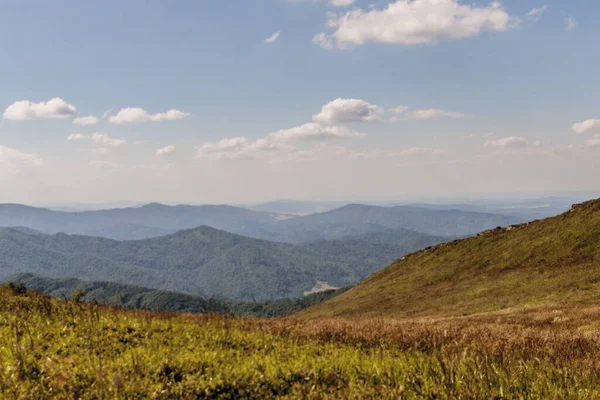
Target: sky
{"type": "Point", "coordinates": [236, 101]}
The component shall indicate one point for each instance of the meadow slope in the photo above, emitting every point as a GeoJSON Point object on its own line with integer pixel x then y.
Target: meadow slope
{"type": "Point", "coordinates": [552, 263]}
{"type": "Point", "coordinates": [68, 350]}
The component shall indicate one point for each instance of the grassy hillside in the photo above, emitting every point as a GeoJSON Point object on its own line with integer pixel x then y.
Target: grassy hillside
{"type": "Point", "coordinates": [552, 263]}
{"type": "Point", "coordinates": [137, 297]}
{"type": "Point", "coordinates": [205, 261]}
{"type": "Point", "coordinates": [65, 350]}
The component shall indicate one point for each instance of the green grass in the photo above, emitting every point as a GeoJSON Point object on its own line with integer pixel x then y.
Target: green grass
{"type": "Point", "coordinates": [57, 349]}
{"type": "Point", "coordinates": [552, 263]}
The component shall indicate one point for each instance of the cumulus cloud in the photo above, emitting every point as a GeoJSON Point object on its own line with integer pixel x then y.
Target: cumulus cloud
{"type": "Point", "coordinates": [348, 110]}
{"type": "Point", "coordinates": [24, 110]}
{"type": "Point", "coordinates": [10, 157]}
{"type": "Point", "coordinates": [230, 148]}
{"type": "Point", "coordinates": [242, 148]}
{"type": "Point", "coordinates": [413, 22]}
{"type": "Point", "coordinates": [570, 24]}
{"type": "Point", "coordinates": [165, 150]}
{"type": "Point", "coordinates": [342, 3]}
{"type": "Point", "coordinates": [512, 142]}
{"type": "Point", "coordinates": [106, 139]}
{"type": "Point", "coordinates": [586, 126]}
{"type": "Point", "coordinates": [136, 115]}
{"type": "Point", "coordinates": [91, 120]}
{"type": "Point", "coordinates": [435, 113]}
{"type": "Point", "coordinates": [536, 13]}
{"type": "Point", "coordinates": [399, 109]}
{"type": "Point", "coordinates": [76, 136]}
{"type": "Point", "coordinates": [273, 38]}
{"type": "Point", "coordinates": [313, 131]}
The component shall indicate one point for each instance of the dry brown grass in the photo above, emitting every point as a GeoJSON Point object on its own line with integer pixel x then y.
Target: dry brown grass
{"type": "Point", "coordinates": [57, 349]}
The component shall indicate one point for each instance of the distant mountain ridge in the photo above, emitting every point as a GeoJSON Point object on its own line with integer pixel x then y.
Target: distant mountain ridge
{"type": "Point", "coordinates": [153, 220]}
{"type": "Point", "coordinates": [356, 219]}
{"type": "Point", "coordinates": [143, 222]}
{"type": "Point", "coordinates": [205, 261]}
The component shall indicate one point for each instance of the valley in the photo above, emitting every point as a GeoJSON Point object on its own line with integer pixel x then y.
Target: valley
{"type": "Point", "coordinates": [511, 312]}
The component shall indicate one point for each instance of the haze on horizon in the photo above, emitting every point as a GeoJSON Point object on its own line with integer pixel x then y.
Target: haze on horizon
{"type": "Point", "coordinates": [237, 102]}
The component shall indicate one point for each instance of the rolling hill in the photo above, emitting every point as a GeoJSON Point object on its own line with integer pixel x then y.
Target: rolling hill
{"type": "Point", "coordinates": [137, 297]}
{"type": "Point", "coordinates": [356, 219]}
{"type": "Point", "coordinates": [154, 220]}
{"type": "Point", "coordinates": [134, 223]}
{"type": "Point", "coordinates": [551, 263]}
{"type": "Point", "coordinates": [205, 261]}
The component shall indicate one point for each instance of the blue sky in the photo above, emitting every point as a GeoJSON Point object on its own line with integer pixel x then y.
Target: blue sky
{"type": "Point", "coordinates": [489, 100]}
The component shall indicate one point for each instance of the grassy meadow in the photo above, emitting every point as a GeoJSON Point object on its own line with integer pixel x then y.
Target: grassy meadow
{"type": "Point", "coordinates": [65, 349]}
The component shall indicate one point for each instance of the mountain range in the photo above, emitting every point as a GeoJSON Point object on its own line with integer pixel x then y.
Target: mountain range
{"type": "Point", "coordinates": [154, 220]}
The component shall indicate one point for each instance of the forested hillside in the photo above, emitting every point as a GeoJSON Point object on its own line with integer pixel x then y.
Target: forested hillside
{"type": "Point", "coordinates": [137, 297]}
{"type": "Point", "coordinates": [205, 261]}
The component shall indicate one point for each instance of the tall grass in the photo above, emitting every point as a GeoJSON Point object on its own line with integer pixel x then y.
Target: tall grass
{"type": "Point", "coordinates": [59, 349]}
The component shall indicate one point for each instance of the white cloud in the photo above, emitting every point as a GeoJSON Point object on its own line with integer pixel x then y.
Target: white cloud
{"type": "Point", "coordinates": [536, 13]}
{"type": "Point", "coordinates": [585, 126]}
{"type": "Point", "coordinates": [570, 24]}
{"type": "Point", "coordinates": [165, 150]}
{"type": "Point", "coordinates": [55, 108]}
{"type": "Point", "coordinates": [76, 136]}
{"type": "Point", "coordinates": [312, 131]}
{"type": "Point", "coordinates": [100, 150]}
{"type": "Point", "coordinates": [348, 110]}
{"type": "Point", "coordinates": [593, 142]}
{"type": "Point", "coordinates": [233, 148]}
{"type": "Point", "coordinates": [413, 22]}
{"type": "Point", "coordinates": [106, 139]}
{"type": "Point", "coordinates": [351, 154]}
{"type": "Point", "coordinates": [242, 148]}
{"type": "Point", "coordinates": [399, 109]}
{"type": "Point", "coordinates": [512, 142]}
{"type": "Point", "coordinates": [417, 151]}
{"type": "Point", "coordinates": [273, 37]}
{"type": "Point", "coordinates": [435, 113]}
{"type": "Point", "coordinates": [91, 120]}
{"type": "Point", "coordinates": [324, 40]}
{"type": "Point", "coordinates": [135, 115]}
{"type": "Point", "coordinates": [10, 157]}
{"type": "Point", "coordinates": [342, 3]}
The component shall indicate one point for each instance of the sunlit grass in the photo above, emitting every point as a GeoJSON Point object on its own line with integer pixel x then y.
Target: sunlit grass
{"type": "Point", "coordinates": [57, 349]}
